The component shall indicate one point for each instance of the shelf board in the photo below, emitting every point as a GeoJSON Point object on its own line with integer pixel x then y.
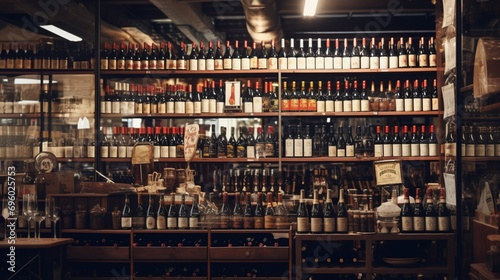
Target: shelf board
{"type": "Point", "coordinates": [467, 88]}
{"type": "Point", "coordinates": [170, 231]}
{"type": "Point", "coordinates": [215, 160]}
{"type": "Point", "coordinates": [362, 114]}
{"type": "Point", "coordinates": [335, 270]}
{"type": "Point", "coordinates": [43, 71]}
{"type": "Point", "coordinates": [411, 270]}
{"type": "Point", "coordinates": [186, 72]}
{"type": "Point", "coordinates": [203, 115]}
{"type": "Point", "coordinates": [329, 236]}
{"type": "Point", "coordinates": [355, 159]}
{"type": "Point", "coordinates": [481, 119]}
{"type": "Point", "coordinates": [413, 236]}
{"type": "Point", "coordinates": [362, 71]}
{"type": "Point", "coordinates": [75, 159]}
{"type": "Point", "coordinates": [479, 159]}
{"type": "Point", "coordinates": [96, 231]}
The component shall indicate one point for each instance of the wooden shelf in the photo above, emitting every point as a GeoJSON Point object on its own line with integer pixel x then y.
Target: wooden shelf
{"type": "Point", "coordinates": [98, 253]}
{"type": "Point", "coordinates": [355, 159]}
{"type": "Point", "coordinates": [169, 231]}
{"type": "Point", "coordinates": [335, 270]}
{"type": "Point", "coordinates": [203, 115]}
{"type": "Point", "coordinates": [411, 269]}
{"type": "Point", "coordinates": [467, 88]}
{"type": "Point", "coordinates": [479, 159]}
{"type": "Point", "coordinates": [171, 254]}
{"type": "Point", "coordinates": [252, 254]}
{"type": "Point", "coordinates": [97, 231]}
{"type": "Point", "coordinates": [186, 72]}
{"type": "Point", "coordinates": [211, 160]}
{"type": "Point", "coordinates": [361, 71]}
{"type": "Point", "coordinates": [43, 71]}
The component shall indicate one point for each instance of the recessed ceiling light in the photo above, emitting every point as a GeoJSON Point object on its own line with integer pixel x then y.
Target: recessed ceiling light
{"type": "Point", "coordinates": [310, 8]}
{"type": "Point", "coordinates": [62, 33]}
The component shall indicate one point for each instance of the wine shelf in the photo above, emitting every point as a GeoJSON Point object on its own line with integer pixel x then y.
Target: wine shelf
{"type": "Point", "coordinates": [241, 254]}
{"type": "Point", "coordinates": [479, 159]}
{"type": "Point", "coordinates": [98, 253]}
{"type": "Point", "coordinates": [172, 254]}
{"type": "Point", "coordinates": [44, 71]}
{"type": "Point", "coordinates": [96, 231]}
{"type": "Point", "coordinates": [334, 270]}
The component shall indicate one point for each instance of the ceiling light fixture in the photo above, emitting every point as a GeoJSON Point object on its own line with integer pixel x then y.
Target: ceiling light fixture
{"type": "Point", "coordinates": [310, 8]}
{"type": "Point", "coordinates": [62, 33]}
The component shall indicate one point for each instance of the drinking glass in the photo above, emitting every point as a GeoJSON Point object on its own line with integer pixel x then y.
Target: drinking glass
{"type": "Point", "coordinates": [51, 213]}
{"type": "Point", "coordinates": [5, 212]}
{"type": "Point", "coordinates": [29, 208]}
{"type": "Point", "coordinates": [39, 217]}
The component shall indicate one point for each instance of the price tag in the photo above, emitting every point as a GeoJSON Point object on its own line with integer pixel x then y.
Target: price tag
{"type": "Point", "coordinates": [191, 135]}
{"type": "Point", "coordinates": [449, 185]}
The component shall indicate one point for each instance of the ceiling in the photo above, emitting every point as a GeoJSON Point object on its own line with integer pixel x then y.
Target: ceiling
{"type": "Point", "coordinates": [204, 20]}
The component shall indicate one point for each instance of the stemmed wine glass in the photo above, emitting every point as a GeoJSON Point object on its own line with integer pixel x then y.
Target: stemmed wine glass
{"type": "Point", "coordinates": [29, 209]}
{"type": "Point", "coordinates": [39, 217]}
{"type": "Point", "coordinates": [51, 213]}
{"type": "Point", "coordinates": [5, 212]}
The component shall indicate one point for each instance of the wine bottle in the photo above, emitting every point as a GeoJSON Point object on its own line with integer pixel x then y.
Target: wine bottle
{"type": "Point", "coordinates": [248, 96]}
{"type": "Point", "coordinates": [349, 143]}
{"type": "Point", "coordinates": [250, 150]}
{"type": "Point", "coordinates": [359, 149]}
{"type": "Point", "coordinates": [248, 219]}
{"type": "Point", "coordinates": [341, 143]}
{"type": "Point", "coordinates": [423, 56]}
{"type": "Point", "coordinates": [365, 59]}
{"type": "Point", "coordinates": [387, 146]}
{"type": "Point", "coordinates": [405, 143]}
{"type": "Point", "coordinates": [237, 218]}
{"type": "Point", "coordinates": [408, 97]}
{"type": "Point", "coordinates": [262, 57]}
{"type": "Point", "coordinates": [338, 99]}
{"type": "Point", "coordinates": [346, 98]}
{"type": "Point", "coordinates": [269, 218]}
{"type": "Point", "coordinates": [418, 213]}
{"type": "Point", "coordinates": [292, 56]}
{"type": "Point", "coordinates": [368, 142]}
{"type": "Point", "coordinates": [356, 98]}
{"type": "Point", "coordinates": [337, 56]}
{"type": "Point", "coordinates": [312, 103]}
{"type": "Point", "coordinates": [329, 214]}
{"type": "Point", "coordinates": [257, 99]}
{"type": "Point", "coordinates": [342, 223]}
{"type": "Point", "coordinates": [384, 56]}
{"type": "Point", "coordinates": [225, 213]}
{"type": "Point", "coordinates": [183, 214]}
{"type": "Point", "coordinates": [282, 56]}
{"type": "Point", "coordinates": [402, 54]}
{"type": "Point", "coordinates": [236, 57]}
{"type": "Point", "coordinates": [231, 145]}
{"type": "Point", "coordinates": [303, 97]}
{"type": "Point", "coordinates": [310, 56]}
{"type": "Point", "coordinates": [281, 213]}
{"type": "Point", "coordinates": [161, 217]}
{"type": "Point", "coordinates": [138, 220]}
{"type": "Point", "coordinates": [302, 214]}
{"type": "Point", "coordinates": [430, 214]}
{"type": "Point", "coordinates": [396, 143]}
{"type": "Point", "coordinates": [259, 213]}
{"type": "Point", "coordinates": [443, 224]}
{"type": "Point", "coordinates": [374, 58]}
{"type": "Point", "coordinates": [126, 219]}
{"type": "Point", "coordinates": [316, 215]}
{"type": "Point", "coordinates": [346, 56]}
{"type": "Point", "coordinates": [172, 213]}
{"type": "Point", "coordinates": [412, 54]}
{"type": "Point", "coordinates": [254, 57]}
{"type": "Point", "coordinates": [424, 143]}
{"type": "Point", "coordinates": [320, 56]}
{"type": "Point", "coordinates": [307, 142]}
{"type": "Point", "coordinates": [332, 142]}
{"type": "Point", "coordinates": [378, 143]}
{"type": "Point", "coordinates": [321, 99]}
{"type": "Point", "coordinates": [417, 97]}
{"type": "Point", "coordinates": [415, 142]}
{"type": "Point", "coordinates": [227, 61]}
{"type": "Point", "coordinates": [272, 61]}
{"type": "Point", "coordinates": [406, 213]}
{"type": "Point", "coordinates": [151, 215]}
{"type": "Point", "coordinates": [432, 53]}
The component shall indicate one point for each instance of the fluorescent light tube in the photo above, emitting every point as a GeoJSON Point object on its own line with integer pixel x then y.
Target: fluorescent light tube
{"type": "Point", "coordinates": [310, 8]}
{"type": "Point", "coordinates": [62, 33]}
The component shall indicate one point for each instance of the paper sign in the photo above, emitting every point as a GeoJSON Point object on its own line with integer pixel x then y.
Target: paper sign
{"type": "Point", "coordinates": [191, 135]}
{"type": "Point", "coordinates": [448, 13]}
{"type": "Point", "coordinates": [388, 172]}
{"type": "Point", "coordinates": [450, 50]}
{"type": "Point", "coordinates": [449, 185]}
{"type": "Point", "coordinates": [448, 100]}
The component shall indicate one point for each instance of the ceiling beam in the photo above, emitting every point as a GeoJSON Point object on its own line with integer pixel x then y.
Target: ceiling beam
{"type": "Point", "coordinates": [190, 20]}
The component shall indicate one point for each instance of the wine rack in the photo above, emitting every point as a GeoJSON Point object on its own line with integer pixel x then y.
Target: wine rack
{"type": "Point", "coordinates": [367, 264]}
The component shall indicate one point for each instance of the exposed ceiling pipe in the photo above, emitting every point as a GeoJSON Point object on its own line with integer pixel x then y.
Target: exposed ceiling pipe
{"type": "Point", "coordinates": [263, 20]}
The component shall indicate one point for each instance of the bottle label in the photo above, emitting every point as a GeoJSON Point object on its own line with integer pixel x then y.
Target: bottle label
{"type": "Point", "coordinates": [164, 151]}
{"type": "Point", "coordinates": [193, 64]}
{"type": "Point", "coordinates": [292, 63]}
{"type": "Point", "coordinates": [405, 150]}
{"type": "Point", "coordinates": [347, 106]}
{"type": "Point", "coordinates": [387, 150]}
{"type": "Point", "coordinates": [91, 151]}
{"type": "Point", "coordinates": [245, 64]}
{"type": "Point", "coordinates": [145, 65]}
{"type": "Point", "coordinates": [412, 60]}
{"type": "Point", "coordinates": [238, 222]}
{"type": "Point", "coordinates": [248, 107]}
{"type": "Point", "coordinates": [301, 63]}
{"type": "Point", "coordinates": [236, 64]}
{"type": "Point", "coordinates": [349, 150]}
{"type": "Point", "coordinates": [220, 107]}
{"type": "Point", "coordinates": [320, 106]}
{"type": "Point", "coordinates": [341, 152]}
{"type": "Point", "coordinates": [329, 225]}
{"type": "Point", "coordinates": [194, 222]}
{"type": "Point", "coordinates": [248, 222]}
{"type": "Point", "coordinates": [269, 221]}
{"type": "Point", "coordinates": [150, 222]}
{"type": "Point", "coordinates": [328, 62]}
{"type": "Point", "coordinates": [283, 63]}
{"type": "Point", "coordinates": [432, 60]}
{"type": "Point", "coordinates": [212, 106]}
{"type": "Point", "coordinates": [197, 107]}
{"type": "Point", "coordinates": [152, 64]}
{"type": "Point", "coordinates": [312, 105]}
{"type": "Point", "coordinates": [469, 150]}
{"type": "Point", "coordinates": [122, 151]}
{"type": "Point", "coordinates": [342, 224]}
{"type": "Point", "coordinates": [418, 223]}
{"type": "Point", "coordinates": [443, 223]}
{"type": "Point", "coordinates": [126, 222]}
{"type": "Point", "coordinates": [365, 62]}
{"type": "Point", "coordinates": [218, 64]}
{"type": "Point", "coordinates": [355, 62]}
{"type": "Point", "coordinates": [303, 104]}
{"type": "Point", "coordinates": [316, 225]}
{"type": "Point", "coordinates": [365, 105]}
{"type": "Point", "coordinates": [104, 64]}
{"type": "Point", "coordinates": [285, 105]}
{"type": "Point", "coordinates": [422, 60]}
{"type": "Point", "coordinates": [298, 147]}
{"type": "Point", "coordinates": [104, 151]}
{"type": "Point", "coordinates": [374, 62]}
{"type": "Point", "coordinates": [426, 104]}
{"type": "Point", "coordinates": [384, 62]}
{"type": "Point", "coordinates": [435, 104]}
{"type": "Point", "coordinates": [113, 152]}
{"type": "Point", "coordinates": [250, 151]}
{"type": "Point", "coordinates": [171, 222]}
{"type": "Point", "coordinates": [379, 150]}
{"type": "Point", "coordinates": [258, 222]}
{"type": "Point", "coordinates": [294, 105]}
{"type": "Point", "coordinates": [424, 149]}
{"type": "Point", "coordinates": [183, 222]}
{"type": "Point", "coordinates": [396, 150]}
{"type": "Point", "coordinates": [202, 65]}
{"type": "Point", "coordinates": [337, 62]}
{"type": "Point", "coordinates": [332, 151]}
{"type": "Point", "coordinates": [407, 224]}
{"type": "Point", "coordinates": [257, 104]}
{"type": "Point", "coordinates": [260, 150]}
{"type": "Point", "coordinates": [480, 150]}
{"type": "Point", "coordinates": [403, 61]}
{"type": "Point", "coordinates": [417, 104]}
{"type": "Point", "coordinates": [146, 108]}
{"type": "Point", "coordinates": [490, 150]}
{"type": "Point", "coordinates": [161, 223]}
{"type": "Point", "coordinates": [415, 150]}
{"type": "Point", "coordinates": [254, 63]}
{"type": "Point", "coordinates": [329, 106]}
{"type": "Point", "coordinates": [189, 107]}
{"type": "Point", "coordinates": [289, 148]}
{"type": "Point", "coordinates": [228, 63]}
{"type": "Point", "coordinates": [320, 62]}
{"type": "Point", "coordinates": [310, 63]}
{"type": "Point", "coordinates": [408, 104]}
{"type": "Point", "coordinates": [430, 223]}
{"type": "Point", "coordinates": [302, 224]}
{"type": "Point", "coordinates": [262, 63]}
{"type": "Point", "coordinates": [346, 62]}
{"type": "Point", "coordinates": [338, 106]}
{"type": "Point", "coordinates": [356, 105]}
{"type": "Point", "coordinates": [272, 63]}
{"type": "Point", "coordinates": [308, 147]}
{"type": "Point", "coordinates": [172, 151]}
{"type": "Point", "coordinates": [433, 149]}
{"type": "Point", "coordinates": [210, 64]}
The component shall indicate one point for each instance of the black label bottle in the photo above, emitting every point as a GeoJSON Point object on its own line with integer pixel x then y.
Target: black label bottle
{"type": "Point", "coordinates": [342, 223]}
{"type": "Point", "coordinates": [406, 213]}
{"type": "Point", "coordinates": [329, 214]}
{"type": "Point", "coordinates": [183, 214]}
{"type": "Point", "coordinates": [126, 219]}
{"type": "Point", "coordinates": [316, 215]}
{"type": "Point", "coordinates": [430, 214]}
{"type": "Point", "coordinates": [418, 213]}
{"type": "Point", "coordinates": [302, 214]}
